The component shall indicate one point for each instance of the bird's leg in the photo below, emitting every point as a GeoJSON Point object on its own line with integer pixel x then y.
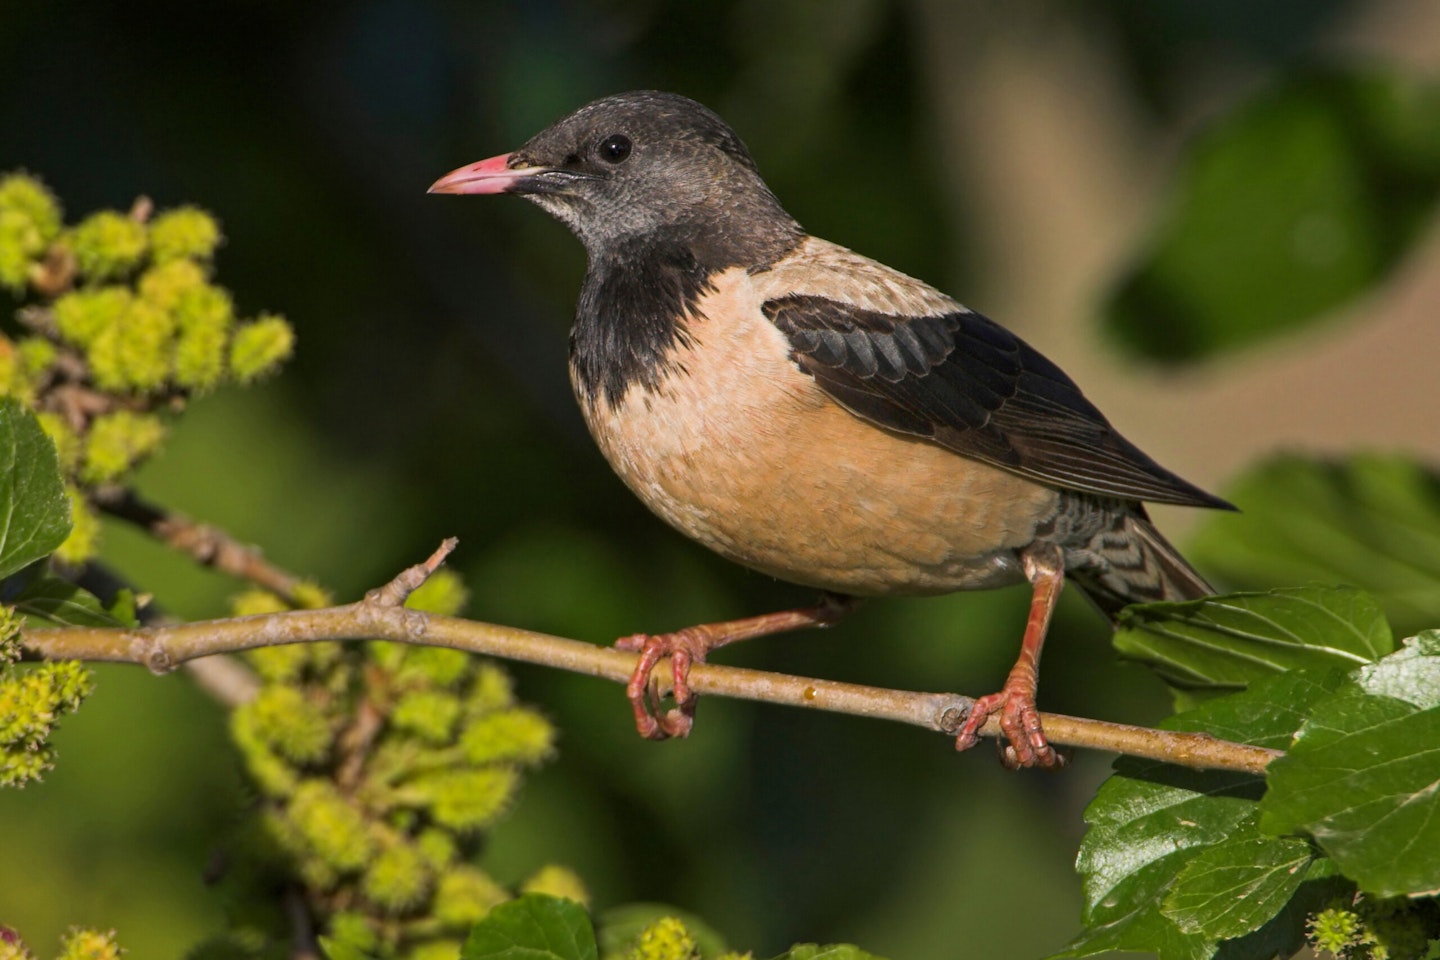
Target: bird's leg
{"type": "Point", "coordinates": [691, 645]}
{"type": "Point", "coordinates": [1019, 718]}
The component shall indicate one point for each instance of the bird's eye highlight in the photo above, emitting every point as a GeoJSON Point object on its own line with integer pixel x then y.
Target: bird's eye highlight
{"type": "Point", "coordinates": [615, 148]}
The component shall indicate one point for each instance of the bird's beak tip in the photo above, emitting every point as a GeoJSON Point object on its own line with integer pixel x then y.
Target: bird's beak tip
{"type": "Point", "coordinates": [488, 176]}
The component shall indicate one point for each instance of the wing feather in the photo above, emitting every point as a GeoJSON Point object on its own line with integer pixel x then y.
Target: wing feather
{"type": "Point", "coordinates": [969, 384]}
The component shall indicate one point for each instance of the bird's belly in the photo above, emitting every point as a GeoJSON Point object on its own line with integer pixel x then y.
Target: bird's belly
{"type": "Point", "coordinates": [740, 450]}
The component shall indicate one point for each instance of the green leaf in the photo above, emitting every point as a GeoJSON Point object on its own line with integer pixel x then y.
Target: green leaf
{"type": "Point", "coordinates": [1230, 641]}
{"type": "Point", "coordinates": [832, 951]}
{"type": "Point", "coordinates": [1298, 200]}
{"type": "Point", "coordinates": [63, 602]}
{"type": "Point", "coordinates": [618, 928]}
{"type": "Point", "coordinates": [34, 513]}
{"type": "Point", "coordinates": [533, 927]}
{"type": "Point", "coordinates": [1151, 820]}
{"type": "Point", "coordinates": [1363, 775]}
{"type": "Point", "coordinates": [1368, 520]}
{"type": "Point", "coordinates": [339, 950]}
{"type": "Point", "coordinates": [124, 608]}
{"type": "Point", "coordinates": [1236, 886]}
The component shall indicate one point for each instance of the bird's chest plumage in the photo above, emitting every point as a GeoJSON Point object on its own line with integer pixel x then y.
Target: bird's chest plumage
{"type": "Point", "coordinates": [732, 444]}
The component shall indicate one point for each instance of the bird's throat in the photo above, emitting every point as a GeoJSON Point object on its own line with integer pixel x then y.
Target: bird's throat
{"type": "Point", "coordinates": [631, 317]}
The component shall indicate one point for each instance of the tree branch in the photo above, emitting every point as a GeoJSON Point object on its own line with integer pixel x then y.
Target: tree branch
{"type": "Point", "coordinates": [205, 544]}
{"type": "Point", "coordinates": [381, 616]}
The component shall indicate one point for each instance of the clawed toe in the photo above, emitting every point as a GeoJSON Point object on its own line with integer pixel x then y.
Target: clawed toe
{"type": "Point", "coordinates": [1024, 744]}
{"type": "Point", "coordinates": [651, 720]}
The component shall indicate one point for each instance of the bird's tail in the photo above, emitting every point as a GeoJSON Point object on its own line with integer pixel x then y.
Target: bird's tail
{"type": "Point", "coordinates": [1138, 566]}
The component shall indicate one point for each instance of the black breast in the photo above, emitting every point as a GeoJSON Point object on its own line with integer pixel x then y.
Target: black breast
{"type": "Point", "coordinates": [631, 317]}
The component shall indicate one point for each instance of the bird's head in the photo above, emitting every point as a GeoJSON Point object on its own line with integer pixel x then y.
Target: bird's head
{"type": "Point", "coordinates": [638, 166]}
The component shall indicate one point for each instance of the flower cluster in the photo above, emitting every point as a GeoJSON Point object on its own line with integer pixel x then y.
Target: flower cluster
{"type": "Point", "coordinates": [78, 944]}
{"type": "Point", "coordinates": [377, 766]}
{"type": "Point", "coordinates": [120, 321]}
{"type": "Point", "coordinates": [32, 700]}
{"type": "Point", "coordinates": [1367, 928]}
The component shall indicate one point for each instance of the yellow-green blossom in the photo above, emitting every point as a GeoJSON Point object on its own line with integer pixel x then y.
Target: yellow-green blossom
{"type": "Point", "coordinates": [29, 220]}
{"type": "Point", "coordinates": [464, 895]}
{"type": "Point", "coordinates": [665, 939]}
{"type": "Point", "coordinates": [398, 879]}
{"type": "Point", "coordinates": [82, 315]}
{"type": "Point", "coordinates": [117, 442]}
{"type": "Point", "coordinates": [443, 593]}
{"type": "Point", "coordinates": [260, 346]}
{"type": "Point", "coordinates": [429, 714]}
{"type": "Point", "coordinates": [107, 244]}
{"type": "Point", "coordinates": [557, 881]}
{"type": "Point", "coordinates": [466, 800]}
{"type": "Point", "coordinates": [89, 945]}
{"type": "Point", "coordinates": [517, 735]}
{"type": "Point", "coordinates": [185, 232]}
{"type": "Point", "coordinates": [331, 828]}
{"type": "Point", "coordinates": [84, 538]}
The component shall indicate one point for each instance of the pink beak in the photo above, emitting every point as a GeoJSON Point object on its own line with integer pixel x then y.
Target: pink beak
{"type": "Point", "coordinates": [487, 176]}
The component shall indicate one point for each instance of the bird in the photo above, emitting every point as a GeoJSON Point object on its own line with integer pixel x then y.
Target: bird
{"type": "Point", "coordinates": [817, 416]}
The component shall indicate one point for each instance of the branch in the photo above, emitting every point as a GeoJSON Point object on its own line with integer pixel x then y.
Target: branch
{"type": "Point", "coordinates": [205, 544]}
{"type": "Point", "coordinates": [381, 616]}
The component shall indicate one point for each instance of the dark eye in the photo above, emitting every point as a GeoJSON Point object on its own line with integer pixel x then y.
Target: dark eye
{"type": "Point", "coordinates": [615, 148]}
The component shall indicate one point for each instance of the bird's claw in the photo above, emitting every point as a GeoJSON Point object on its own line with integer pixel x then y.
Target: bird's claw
{"type": "Point", "coordinates": [684, 647]}
{"type": "Point", "coordinates": [1024, 744]}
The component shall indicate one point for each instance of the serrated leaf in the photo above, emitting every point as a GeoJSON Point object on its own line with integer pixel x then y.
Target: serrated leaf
{"type": "Point", "coordinates": [618, 928]}
{"type": "Point", "coordinates": [1363, 778]}
{"type": "Point", "coordinates": [1235, 639]}
{"type": "Point", "coordinates": [533, 927]}
{"type": "Point", "coordinates": [1150, 820]}
{"type": "Point", "coordinates": [1368, 520]}
{"type": "Point", "coordinates": [830, 951]}
{"type": "Point", "coordinates": [1301, 198]}
{"type": "Point", "coordinates": [63, 602]}
{"type": "Point", "coordinates": [34, 513]}
{"type": "Point", "coordinates": [1237, 886]}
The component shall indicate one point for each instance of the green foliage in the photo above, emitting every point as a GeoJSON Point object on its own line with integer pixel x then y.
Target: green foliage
{"type": "Point", "coordinates": [379, 765]}
{"type": "Point", "coordinates": [124, 319]}
{"type": "Point", "coordinates": [1363, 774]}
{"type": "Point", "coordinates": [34, 515]}
{"type": "Point", "coordinates": [1292, 205]}
{"type": "Point", "coordinates": [1191, 864]}
{"type": "Point", "coordinates": [62, 602]}
{"type": "Point", "coordinates": [1228, 641]}
{"type": "Point", "coordinates": [34, 520]}
{"type": "Point", "coordinates": [1368, 520]}
{"type": "Point", "coordinates": [533, 927]}
{"type": "Point", "coordinates": [537, 927]}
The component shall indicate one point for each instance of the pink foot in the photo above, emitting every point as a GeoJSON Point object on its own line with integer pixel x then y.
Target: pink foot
{"type": "Point", "coordinates": [1025, 745]}
{"type": "Point", "coordinates": [683, 647]}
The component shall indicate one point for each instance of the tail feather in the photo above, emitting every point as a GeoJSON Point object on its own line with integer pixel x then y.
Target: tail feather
{"type": "Point", "coordinates": [1136, 565]}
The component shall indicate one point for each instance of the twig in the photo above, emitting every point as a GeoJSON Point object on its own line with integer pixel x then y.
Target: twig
{"type": "Point", "coordinates": [379, 616]}
{"type": "Point", "coordinates": [205, 544]}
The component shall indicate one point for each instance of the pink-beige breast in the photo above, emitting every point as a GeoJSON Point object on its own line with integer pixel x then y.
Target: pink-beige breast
{"type": "Point", "coordinates": [742, 451]}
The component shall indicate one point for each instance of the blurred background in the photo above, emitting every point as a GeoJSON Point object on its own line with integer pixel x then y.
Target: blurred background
{"type": "Point", "coordinates": [1017, 155]}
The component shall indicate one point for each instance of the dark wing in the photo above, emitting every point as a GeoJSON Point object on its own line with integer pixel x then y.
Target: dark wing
{"type": "Point", "coordinates": [974, 387]}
